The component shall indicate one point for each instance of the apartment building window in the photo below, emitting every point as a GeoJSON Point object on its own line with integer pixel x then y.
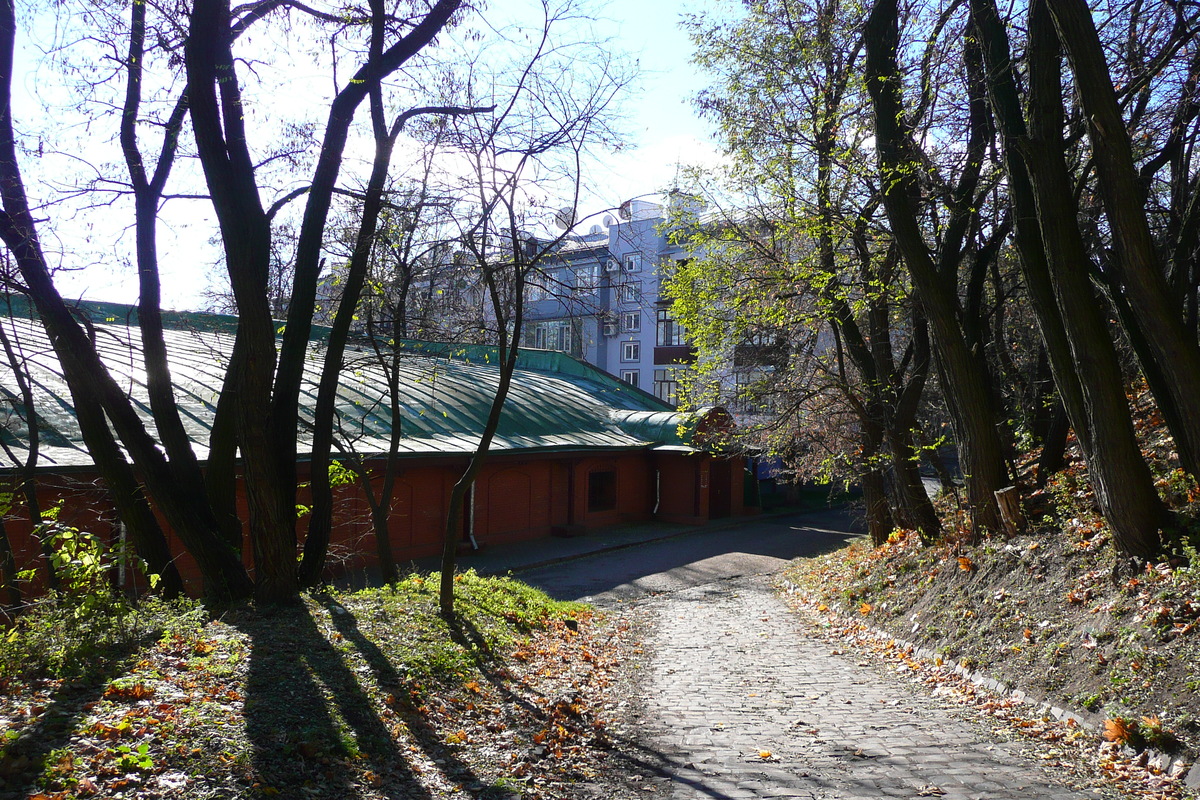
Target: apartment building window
{"type": "Point", "coordinates": [666, 388]}
{"type": "Point", "coordinates": [630, 376]}
{"type": "Point", "coordinates": [633, 262]}
{"type": "Point", "coordinates": [667, 266]}
{"type": "Point", "coordinates": [551, 334]}
{"type": "Point", "coordinates": [631, 292]}
{"type": "Point", "coordinates": [670, 333]}
{"type": "Point", "coordinates": [631, 321]}
{"type": "Point", "coordinates": [587, 277]}
{"type": "Point", "coordinates": [631, 351]}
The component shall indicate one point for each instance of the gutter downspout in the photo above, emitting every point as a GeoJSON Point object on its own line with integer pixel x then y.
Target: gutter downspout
{"type": "Point", "coordinates": [657, 490]}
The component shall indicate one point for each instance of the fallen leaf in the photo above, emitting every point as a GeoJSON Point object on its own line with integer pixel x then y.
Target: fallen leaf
{"type": "Point", "coordinates": [137, 691]}
{"type": "Point", "coordinates": [1117, 730]}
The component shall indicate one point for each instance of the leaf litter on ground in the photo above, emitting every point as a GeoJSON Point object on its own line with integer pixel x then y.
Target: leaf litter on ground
{"type": "Point", "coordinates": [360, 695]}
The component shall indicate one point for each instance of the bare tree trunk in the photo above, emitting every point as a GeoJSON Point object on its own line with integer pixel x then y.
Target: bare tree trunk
{"type": "Point", "coordinates": [294, 346]}
{"type": "Point", "coordinates": [1137, 262]}
{"type": "Point", "coordinates": [508, 365]}
{"type": "Point", "coordinates": [1054, 446]}
{"type": "Point", "coordinates": [320, 523]}
{"type": "Point", "coordinates": [219, 125]}
{"type": "Point", "coordinates": [966, 382]}
{"type": "Point", "coordinates": [1055, 264]}
{"type": "Point", "coordinates": [879, 515]}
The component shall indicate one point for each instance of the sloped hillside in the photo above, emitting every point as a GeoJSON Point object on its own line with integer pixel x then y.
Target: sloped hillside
{"type": "Point", "coordinates": [1054, 614]}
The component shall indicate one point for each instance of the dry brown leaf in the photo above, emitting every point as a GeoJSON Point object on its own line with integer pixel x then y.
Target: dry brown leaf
{"type": "Point", "coordinates": [1117, 730]}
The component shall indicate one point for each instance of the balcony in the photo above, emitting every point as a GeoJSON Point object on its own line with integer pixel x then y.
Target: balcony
{"type": "Point", "coordinates": [674, 354]}
{"type": "Point", "coordinates": [761, 355]}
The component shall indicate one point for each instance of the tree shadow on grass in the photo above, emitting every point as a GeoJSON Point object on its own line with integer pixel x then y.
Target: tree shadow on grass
{"type": "Point", "coordinates": [468, 637]}
{"type": "Point", "coordinates": [312, 725]}
{"type": "Point", "coordinates": [388, 679]}
{"type": "Point", "coordinates": [21, 760]}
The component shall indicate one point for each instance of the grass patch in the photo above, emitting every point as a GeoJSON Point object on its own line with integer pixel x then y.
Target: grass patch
{"type": "Point", "coordinates": [370, 693]}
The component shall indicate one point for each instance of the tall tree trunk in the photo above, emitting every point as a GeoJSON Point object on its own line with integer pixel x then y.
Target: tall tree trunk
{"type": "Point", "coordinates": [1056, 268]}
{"type": "Point", "coordinates": [316, 543]}
{"type": "Point", "coordinates": [508, 353]}
{"type": "Point", "coordinates": [879, 515]}
{"type": "Point", "coordinates": [219, 126]}
{"type": "Point", "coordinates": [902, 423]}
{"type": "Point", "coordinates": [453, 530]}
{"type": "Point", "coordinates": [86, 374]}
{"type": "Point", "coordinates": [293, 349]}
{"type": "Point", "coordinates": [320, 522]}
{"type": "Point", "coordinates": [1137, 262]}
{"type": "Point", "coordinates": [966, 382]}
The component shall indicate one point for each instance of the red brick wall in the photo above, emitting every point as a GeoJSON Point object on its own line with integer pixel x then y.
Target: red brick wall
{"type": "Point", "coordinates": [515, 499]}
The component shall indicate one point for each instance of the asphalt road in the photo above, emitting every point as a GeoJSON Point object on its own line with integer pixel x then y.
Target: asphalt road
{"type": "Point", "coordinates": [669, 565]}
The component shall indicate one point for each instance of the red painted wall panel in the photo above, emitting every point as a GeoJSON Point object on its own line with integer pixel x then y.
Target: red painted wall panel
{"type": "Point", "coordinates": [515, 499]}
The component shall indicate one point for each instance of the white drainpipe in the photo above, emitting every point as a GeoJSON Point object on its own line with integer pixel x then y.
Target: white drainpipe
{"type": "Point", "coordinates": [657, 489]}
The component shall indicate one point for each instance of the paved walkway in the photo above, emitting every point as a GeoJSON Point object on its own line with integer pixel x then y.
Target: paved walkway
{"type": "Point", "coordinates": [740, 702]}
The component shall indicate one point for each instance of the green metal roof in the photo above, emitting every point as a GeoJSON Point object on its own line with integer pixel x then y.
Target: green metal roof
{"type": "Point", "coordinates": [556, 402]}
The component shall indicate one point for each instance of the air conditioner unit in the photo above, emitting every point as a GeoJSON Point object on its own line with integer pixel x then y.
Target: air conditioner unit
{"type": "Point", "coordinates": [610, 329]}
{"type": "Point", "coordinates": [612, 265]}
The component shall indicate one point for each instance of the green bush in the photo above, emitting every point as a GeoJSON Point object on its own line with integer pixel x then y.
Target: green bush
{"type": "Point", "coordinates": [62, 637]}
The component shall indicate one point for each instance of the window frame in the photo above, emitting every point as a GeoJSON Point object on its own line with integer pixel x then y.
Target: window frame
{"type": "Point", "coordinates": [588, 277]}
{"type": "Point", "coordinates": [667, 330]}
{"type": "Point", "coordinates": [664, 378]}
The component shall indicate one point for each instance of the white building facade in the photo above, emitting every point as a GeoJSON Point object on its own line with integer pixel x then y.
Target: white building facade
{"type": "Point", "coordinates": [602, 301]}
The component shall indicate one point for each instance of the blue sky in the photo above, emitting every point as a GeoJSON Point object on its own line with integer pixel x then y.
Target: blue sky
{"type": "Point", "coordinates": [663, 126]}
{"type": "Point", "coordinates": [95, 246]}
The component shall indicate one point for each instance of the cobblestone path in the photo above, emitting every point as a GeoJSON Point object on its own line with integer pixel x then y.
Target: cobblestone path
{"type": "Point", "coordinates": [741, 703]}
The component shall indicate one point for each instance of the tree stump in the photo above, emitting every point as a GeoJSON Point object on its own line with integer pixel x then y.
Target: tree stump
{"type": "Point", "coordinates": [1008, 500]}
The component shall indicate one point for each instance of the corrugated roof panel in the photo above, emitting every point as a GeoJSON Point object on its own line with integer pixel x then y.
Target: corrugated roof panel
{"type": "Point", "coordinates": [445, 392]}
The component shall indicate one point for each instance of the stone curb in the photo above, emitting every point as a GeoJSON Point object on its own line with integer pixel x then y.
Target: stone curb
{"type": "Point", "coordinates": [1176, 766]}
